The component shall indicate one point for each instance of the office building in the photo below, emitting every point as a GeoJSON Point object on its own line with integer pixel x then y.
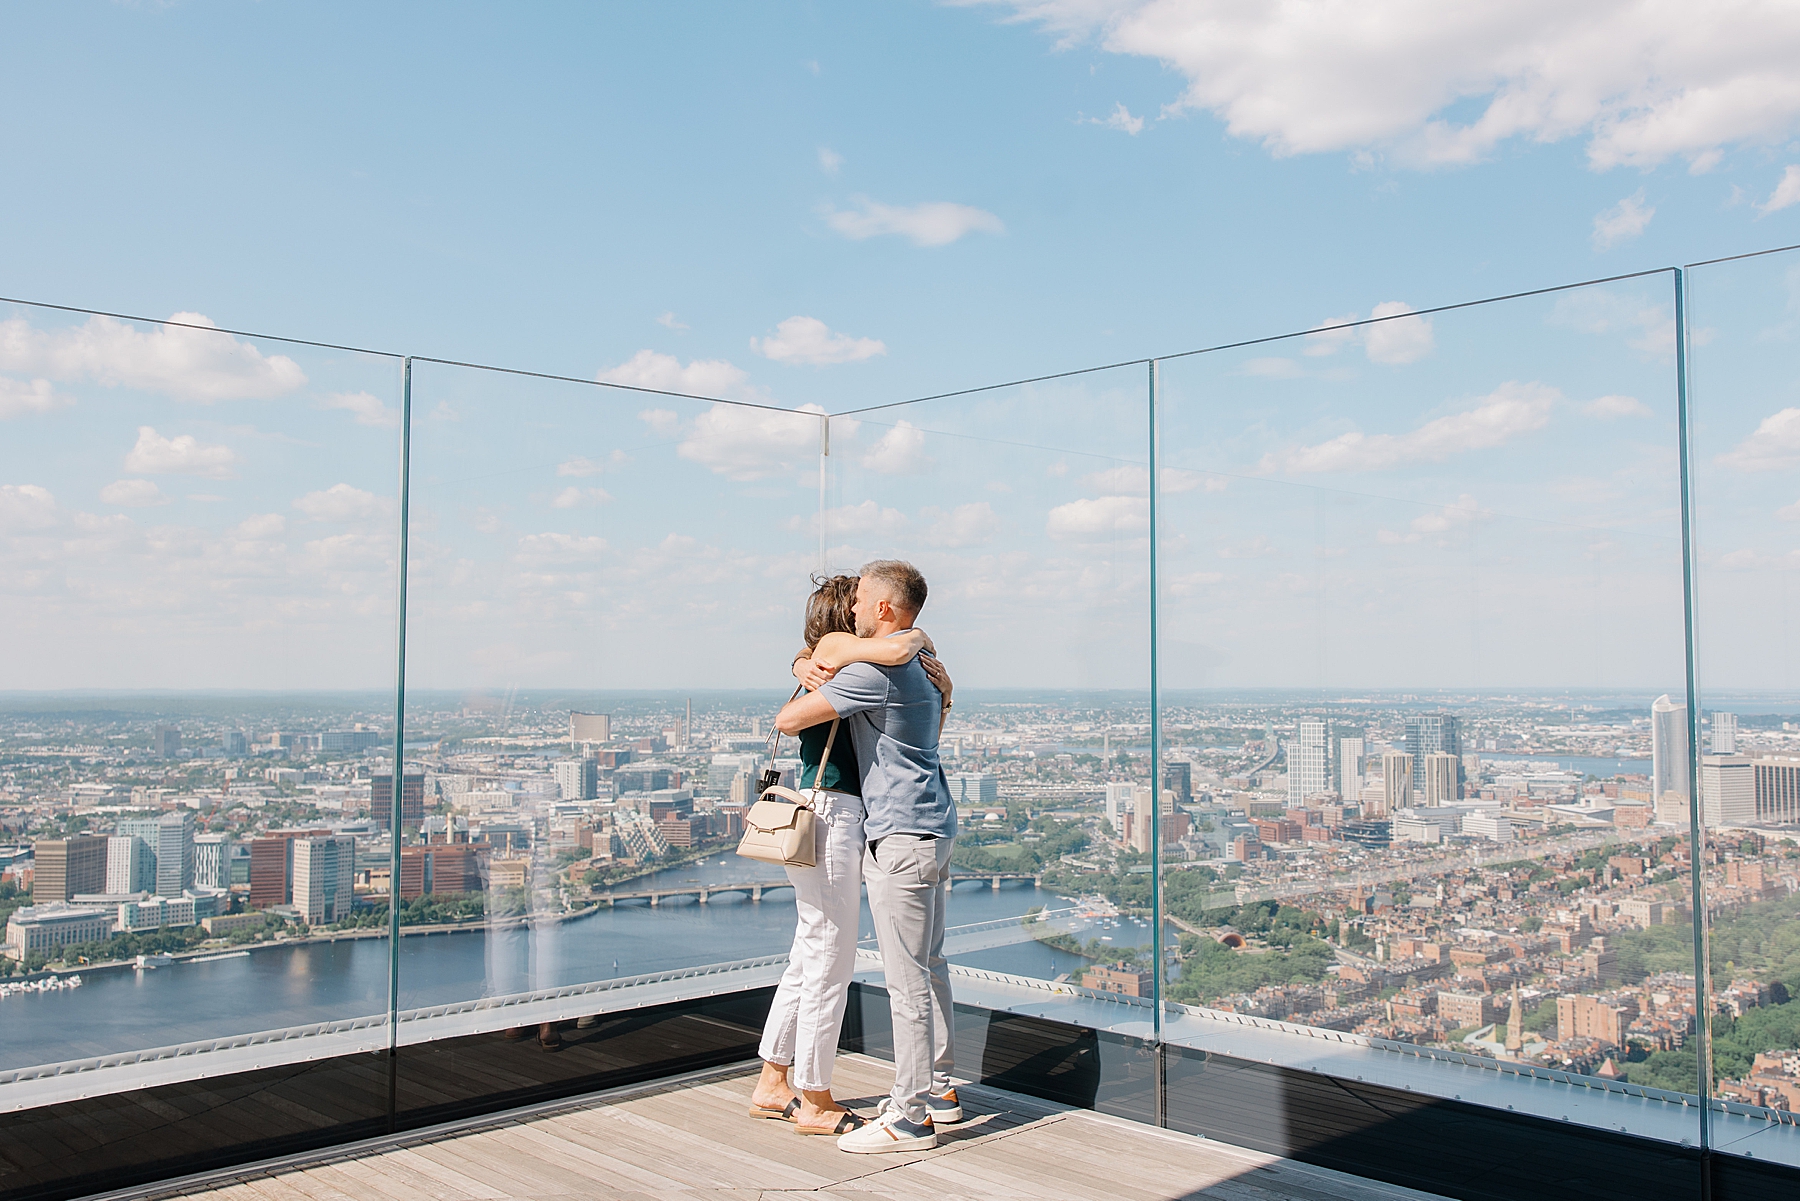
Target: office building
{"type": "Point", "coordinates": [1669, 789]}
{"type": "Point", "coordinates": [1308, 762]}
{"type": "Point", "coordinates": [1431, 734]}
{"type": "Point", "coordinates": [47, 927]}
{"type": "Point", "coordinates": [589, 727]}
{"type": "Point", "coordinates": [130, 865]}
{"type": "Point", "coordinates": [235, 745]}
{"type": "Point", "coordinates": [170, 837]}
{"type": "Point", "coordinates": [1487, 824]}
{"type": "Point", "coordinates": [1118, 804]}
{"type": "Point", "coordinates": [412, 800]}
{"type": "Point", "coordinates": [1603, 1018]}
{"type": "Point", "coordinates": [1724, 733]}
{"type": "Point", "coordinates": [1777, 789]}
{"type": "Point", "coordinates": [576, 779]}
{"type": "Point", "coordinates": [442, 870]}
{"type": "Point", "coordinates": [66, 866]}
{"type": "Point", "coordinates": [974, 788]}
{"type": "Point", "coordinates": [165, 742]}
{"type": "Point", "coordinates": [271, 866]}
{"type": "Point", "coordinates": [156, 913]}
{"type": "Point", "coordinates": [1727, 790]}
{"type": "Point", "coordinates": [212, 861]}
{"type": "Point", "coordinates": [1349, 767]}
{"type": "Point", "coordinates": [1440, 778]}
{"type": "Point", "coordinates": [1396, 782]}
{"type": "Point", "coordinates": [323, 871]}
{"type": "Point", "coordinates": [1178, 777]}
{"type": "Point", "coordinates": [350, 742]}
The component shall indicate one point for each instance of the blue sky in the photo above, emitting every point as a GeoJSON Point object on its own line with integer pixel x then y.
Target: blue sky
{"type": "Point", "coordinates": [842, 205]}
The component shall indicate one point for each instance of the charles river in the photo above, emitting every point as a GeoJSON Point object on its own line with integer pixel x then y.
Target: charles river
{"type": "Point", "coordinates": [295, 985]}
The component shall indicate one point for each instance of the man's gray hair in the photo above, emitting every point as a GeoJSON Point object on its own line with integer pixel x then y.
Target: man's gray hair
{"type": "Point", "coordinates": [902, 580]}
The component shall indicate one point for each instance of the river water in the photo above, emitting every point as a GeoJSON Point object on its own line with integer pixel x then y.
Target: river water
{"type": "Point", "coordinates": [280, 986]}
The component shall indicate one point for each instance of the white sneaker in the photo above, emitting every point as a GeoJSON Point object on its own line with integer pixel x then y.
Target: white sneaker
{"type": "Point", "coordinates": [944, 1108]}
{"type": "Point", "coordinates": [889, 1131]}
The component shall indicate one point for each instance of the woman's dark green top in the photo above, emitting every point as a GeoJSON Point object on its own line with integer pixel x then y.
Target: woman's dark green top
{"type": "Point", "coordinates": [841, 774]}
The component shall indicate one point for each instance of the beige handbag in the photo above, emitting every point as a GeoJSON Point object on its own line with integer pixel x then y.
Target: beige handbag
{"type": "Point", "coordinates": [785, 830]}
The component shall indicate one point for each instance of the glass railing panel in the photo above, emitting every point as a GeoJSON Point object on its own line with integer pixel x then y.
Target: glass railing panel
{"type": "Point", "coordinates": [1420, 593]}
{"type": "Point", "coordinates": [1027, 510]}
{"type": "Point", "coordinates": [606, 592]}
{"type": "Point", "coordinates": [1744, 420]}
{"type": "Point", "coordinates": [200, 539]}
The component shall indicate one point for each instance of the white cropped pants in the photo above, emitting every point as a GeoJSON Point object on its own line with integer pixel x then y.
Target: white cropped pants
{"type": "Point", "coordinates": [808, 1011]}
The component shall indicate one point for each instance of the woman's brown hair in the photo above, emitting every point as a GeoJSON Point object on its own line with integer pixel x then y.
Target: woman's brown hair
{"type": "Point", "coordinates": [829, 608]}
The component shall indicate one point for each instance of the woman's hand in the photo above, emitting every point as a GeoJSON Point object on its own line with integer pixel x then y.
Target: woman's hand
{"type": "Point", "coordinates": [812, 673]}
{"type": "Point", "coordinates": [938, 676]}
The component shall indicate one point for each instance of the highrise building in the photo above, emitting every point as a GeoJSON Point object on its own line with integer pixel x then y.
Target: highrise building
{"type": "Point", "coordinates": [170, 837]}
{"type": "Point", "coordinates": [974, 788]}
{"type": "Point", "coordinates": [212, 861]}
{"type": "Point", "coordinates": [1349, 767]}
{"type": "Point", "coordinates": [323, 871]}
{"type": "Point", "coordinates": [1429, 734]}
{"type": "Point", "coordinates": [1178, 777]}
{"type": "Point", "coordinates": [1396, 782]}
{"type": "Point", "coordinates": [64, 867]}
{"type": "Point", "coordinates": [412, 800]}
{"type": "Point", "coordinates": [235, 744]}
{"type": "Point", "coordinates": [1440, 778]}
{"type": "Point", "coordinates": [1669, 760]}
{"type": "Point", "coordinates": [577, 779]}
{"type": "Point", "coordinates": [1777, 789]}
{"type": "Point", "coordinates": [1724, 733]}
{"type": "Point", "coordinates": [271, 866]}
{"type": "Point", "coordinates": [165, 742]}
{"type": "Point", "coordinates": [1118, 804]}
{"type": "Point", "coordinates": [1308, 762]}
{"type": "Point", "coordinates": [1727, 790]}
{"type": "Point", "coordinates": [589, 727]}
{"type": "Point", "coordinates": [130, 865]}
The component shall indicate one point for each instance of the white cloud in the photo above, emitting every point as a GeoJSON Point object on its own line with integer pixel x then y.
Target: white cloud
{"type": "Point", "coordinates": [830, 160]}
{"type": "Point", "coordinates": [973, 524]}
{"type": "Point", "coordinates": [867, 519]}
{"type": "Point", "coordinates": [936, 223]}
{"type": "Point", "coordinates": [181, 455]}
{"type": "Point", "coordinates": [809, 340]}
{"type": "Point", "coordinates": [1775, 445]}
{"type": "Point", "coordinates": [1622, 222]}
{"type": "Point", "coordinates": [1438, 521]}
{"type": "Point", "coordinates": [1099, 517]}
{"type": "Point", "coordinates": [1616, 406]}
{"type": "Point", "coordinates": [669, 321]}
{"type": "Point", "coordinates": [1136, 481]}
{"type": "Point", "coordinates": [1510, 410]}
{"type": "Point", "coordinates": [580, 467]}
{"type": "Point", "coordinates": [543, 549]}
{"type": "Point", "coordinates": [1120, 119]}
{"type": "Point", "coordinates": [366, 407]}
{"type": "Point", "coordinates": [26, 507]}
{"type": "Point", "coordinates": [133, 494]}
{"type": "Point", "coordinates": [665, 373]}
{"type": "Point", "coordinates": [1331, 335]}
{"type": "Point", "coordinates": [745, 444]}
{"type": "Point", "coordinates": [1398, 340]}
{"type": "Point", "coordinates": [340, 502]}
{"type": "Point", "coordinates": [1648, 326]}
{"type": "Point", "coordinates": [1786, 192]}
{"type": "Point", "coordinates": [260, 527]}
{"type": "Point", "coordinates": [1789, 512]}
{"type": "Point", "coordinates": [18, 398]}
{"type": "Point", "coordinates": [1273, 368]}
{"type": "Point", "coordinates": [570, 498]}
{"type": "Point", "coordinates": [661, 421]}
{"type": "Point", "coordinates": [901, 451]}
{"type": "Point", "coordinates": [185, 363]}
{"type": "Point", "coordinates": [1642, 80]}
{"type": "Point", "coordinates": [1258, 547]}
{"type": "Point", "coordinates": [1401, 340]}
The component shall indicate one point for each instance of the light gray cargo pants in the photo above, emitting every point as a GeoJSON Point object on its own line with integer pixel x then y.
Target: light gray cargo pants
{"type": "Point", "coordinates": [909, 891]}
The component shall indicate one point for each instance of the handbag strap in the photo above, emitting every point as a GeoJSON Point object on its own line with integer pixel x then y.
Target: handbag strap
{"type": "Point", "coordinates": [830, 739]}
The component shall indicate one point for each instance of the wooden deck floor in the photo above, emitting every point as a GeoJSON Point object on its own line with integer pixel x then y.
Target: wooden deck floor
{"type": "Point", "coordinates": [693, 1140]}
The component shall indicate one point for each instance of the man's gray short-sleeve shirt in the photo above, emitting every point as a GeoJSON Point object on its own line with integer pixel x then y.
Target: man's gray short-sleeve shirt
{"type": "Point", "coordinates": [892, 716]}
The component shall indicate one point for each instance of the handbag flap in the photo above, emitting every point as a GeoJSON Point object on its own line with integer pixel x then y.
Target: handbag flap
{"type": "Point", "coordinates": [767, 815]}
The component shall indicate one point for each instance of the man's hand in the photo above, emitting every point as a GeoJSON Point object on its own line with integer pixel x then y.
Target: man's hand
{"type": "Point", "coordinates": [812, 674]}
{"type": "Point", "coordinates": [938, 676]}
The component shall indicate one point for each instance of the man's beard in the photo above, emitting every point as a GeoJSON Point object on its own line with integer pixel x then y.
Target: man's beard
{"type": "Point", "coordinates": [865, 629]}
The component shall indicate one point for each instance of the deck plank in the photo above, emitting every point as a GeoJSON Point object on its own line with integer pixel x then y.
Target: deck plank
{"type": "Point", "coordinates": [694, 1142]}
